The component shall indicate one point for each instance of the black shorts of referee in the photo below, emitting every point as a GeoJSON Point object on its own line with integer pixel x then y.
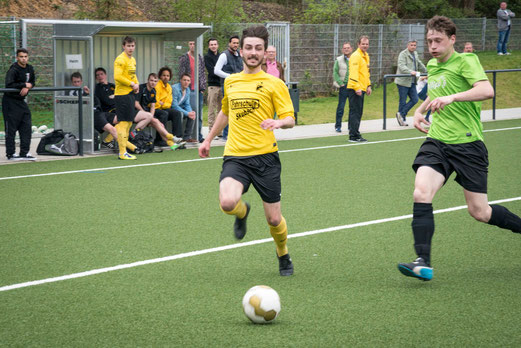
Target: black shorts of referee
{"type": "Point", "coordinates": [126, 107]}
{"type": "Point", "coordinates": [263, 171]}
{"type": "Point", "coordinates": [468, 160]}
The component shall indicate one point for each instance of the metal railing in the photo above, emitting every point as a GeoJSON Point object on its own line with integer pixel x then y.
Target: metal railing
{"type": "Point", "coordinates": [493, 72]}
{"type": "Point", "coordinates": [53, 89]}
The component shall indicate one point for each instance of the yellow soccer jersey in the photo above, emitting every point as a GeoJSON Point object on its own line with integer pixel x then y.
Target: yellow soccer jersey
{"type": "Point", "coordinates": [248, 100]}
{"type": "Point", "coordinates": [124, 74]}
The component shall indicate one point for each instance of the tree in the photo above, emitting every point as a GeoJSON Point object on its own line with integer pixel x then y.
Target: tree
{"type": "Point", "coordinates": [347, 12]}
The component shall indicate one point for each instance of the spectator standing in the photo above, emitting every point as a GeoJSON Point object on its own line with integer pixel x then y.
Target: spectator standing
{"type": "Point", "coordinates": [454, 143]}
{"type": "Point", "coordinates": [214, 82]}
{"type": "Point", "coordinates": [181, 103]}
{"type": "Point", "coordinates": [17, 116]}
{"type": "Point", "coordinates": [271, 65]}
{"type": "Point", "coordinates": [358, 86]}
{"type": "Point", "coordinates": [77, 81]}
{"type": "Point", "coordinates": [340, 79]}
{"type": "Point", "coordinates": [229, 62]}
{"type": "Point", "coordinates": [468, 48]}
{"type": "Point", "coordinates": [187, 66]}
{"type": "Point", "coordinates": [504, 23]}
{"type": "Point", "coordinates": [408, 64]}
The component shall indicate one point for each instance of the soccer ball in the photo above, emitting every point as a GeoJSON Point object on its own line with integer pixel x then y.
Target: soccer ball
{"type": "Point", "coordinates": [261, 304]}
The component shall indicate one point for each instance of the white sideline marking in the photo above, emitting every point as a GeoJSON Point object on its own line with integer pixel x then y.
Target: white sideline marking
{"type": "Point", "coordinates": [227, 247]}
{"type": "Point", "coordinates": [214, 158]}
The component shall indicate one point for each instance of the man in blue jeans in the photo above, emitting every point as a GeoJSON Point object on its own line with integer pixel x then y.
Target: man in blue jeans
{"type": "Point", "coordinates": [503, 25]}
{"type": "Point", "coordinates": [340, 79]}
{"type": "Point", "coordinates": [410, 64]}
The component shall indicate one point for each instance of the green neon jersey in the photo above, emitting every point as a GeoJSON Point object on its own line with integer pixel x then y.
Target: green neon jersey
{"type": "Point", "coordinates": [458, 122]}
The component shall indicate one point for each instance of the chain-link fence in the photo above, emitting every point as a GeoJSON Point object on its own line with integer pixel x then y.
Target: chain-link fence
{"type": "Point", "coordinates": [313, 48]}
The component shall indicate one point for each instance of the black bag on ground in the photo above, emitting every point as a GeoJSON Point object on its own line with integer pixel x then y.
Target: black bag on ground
{"type": "Point", "coordinates": [51, 138]}
{"type": "Point", "coordinates": [58, 143]}
{"type": "Point", "coordinates": [142, 140]}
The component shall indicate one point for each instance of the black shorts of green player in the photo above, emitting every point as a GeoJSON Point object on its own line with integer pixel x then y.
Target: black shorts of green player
{"type": "Point", "coordinates": [262, 171]}
{"type": "Point", "coordinates": [468, 160]}
{"type": "Point", "coordinates": [125, 107]}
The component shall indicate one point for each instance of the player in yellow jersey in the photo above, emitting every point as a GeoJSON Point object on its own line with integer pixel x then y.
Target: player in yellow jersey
{"type": "Point", "coordinates": [251, 154]}
{"type": "Point", "coordinates": [127, 86]}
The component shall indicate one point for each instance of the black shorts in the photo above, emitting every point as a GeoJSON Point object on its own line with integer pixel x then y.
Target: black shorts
{"type": "Point", "coordinates": [101, 119]}
{"type": "Point", "coordinates": [125, 107]}
{"type": "Point", "coordinates": [469, 161]}
{"type": "Point", "coordinates": [263, 171]}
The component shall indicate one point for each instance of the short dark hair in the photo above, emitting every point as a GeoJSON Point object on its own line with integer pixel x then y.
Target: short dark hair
{"type": "Point", "coordinates": [361, 38]}
{"type": "Point", "coordinates": [100, 69]}
{"type": "Point", "coordinates": [233, 37]}
{"type": "Point", "coordinates": [442, 24]}
{"type": "Point", "coordinates": [77, 75]}
{"type": "Point", "coordinates": [259, 31]}
{"type": "Point", "coordinates": [163, 69]}
{"type": "Point", "coordinates": [21, 50]}
{"type": "Point", "coordinates": [152, 74]}
{"type": "Point", "coordinates": [185, 74]}
{"type": "Point", "coordinates": [212, 39]}
{"type": "Point", "coordinates": [128, 39]}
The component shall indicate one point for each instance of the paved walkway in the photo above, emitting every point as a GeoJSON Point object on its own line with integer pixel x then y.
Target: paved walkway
{"type": "Point", "coordinates": [298, 132]}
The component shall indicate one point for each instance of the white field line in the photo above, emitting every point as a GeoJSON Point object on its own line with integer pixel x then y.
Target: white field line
{"type": "Point", "coordinates": [226, 247]}
{"type": "Point", "coordinates": [214, 158]}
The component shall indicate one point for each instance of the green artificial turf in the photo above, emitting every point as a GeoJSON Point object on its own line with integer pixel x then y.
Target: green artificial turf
{"type": "Point", "coordinates": [346, 290]}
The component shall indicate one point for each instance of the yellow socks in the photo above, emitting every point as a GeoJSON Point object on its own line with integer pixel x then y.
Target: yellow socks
{"type": "Point", "coordinates": [239, 210]}
{"type": "Point", "coordinates": [169, 142]}
{"type": "Point", "coordinates": [169, 136]}
{"type": "Point", "coordinates": [108, 138]}
{"type": "Point", "coordinates": [280, 236]}
{"type": "Point", "coordinates": [122, 128]}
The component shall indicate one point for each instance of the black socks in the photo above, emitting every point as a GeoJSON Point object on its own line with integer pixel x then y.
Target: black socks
{"type": "Point", "coordinates": [423, 229]}
{"type": "Point", "coordinates": [502, 217]}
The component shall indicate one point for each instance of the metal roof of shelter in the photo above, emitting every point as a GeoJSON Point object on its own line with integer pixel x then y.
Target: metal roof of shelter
{"type": "Point", "coordinates": [82, 28]}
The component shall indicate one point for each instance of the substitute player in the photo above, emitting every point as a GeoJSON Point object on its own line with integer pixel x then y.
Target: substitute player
{"type": "Point", "coordinates": [251, 154]}
{"type": "Point", "coordinates": [127, 86]}
{"type": "Point", "coordinates": [457, 85]}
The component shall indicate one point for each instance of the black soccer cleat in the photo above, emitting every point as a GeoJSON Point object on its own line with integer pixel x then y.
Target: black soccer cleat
{"type": "Point", "coordinates": [417, 269]}
{"type": "Point", "coordinates": [239, 227]}
{"type": "Point", "coordinates": [285, 265]}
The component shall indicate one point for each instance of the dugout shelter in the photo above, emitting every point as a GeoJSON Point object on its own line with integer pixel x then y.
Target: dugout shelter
{"type": "Point", "coordinates": [81, 45]}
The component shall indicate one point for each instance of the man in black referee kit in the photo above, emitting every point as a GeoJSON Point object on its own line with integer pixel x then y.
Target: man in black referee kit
{"type": "Point", "coordinates": [17, 116]}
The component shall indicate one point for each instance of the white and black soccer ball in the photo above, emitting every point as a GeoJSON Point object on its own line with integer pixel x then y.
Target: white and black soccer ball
{"type": "Point", "coordinates": [261, 304]}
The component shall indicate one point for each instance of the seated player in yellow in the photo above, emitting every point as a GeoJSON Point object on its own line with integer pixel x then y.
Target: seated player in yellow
{"type": "Point", "coordinates": [251, 98]}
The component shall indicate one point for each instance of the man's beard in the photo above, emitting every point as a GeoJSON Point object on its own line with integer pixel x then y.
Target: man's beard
{"type": "Point", "coordinates": [244, 59]}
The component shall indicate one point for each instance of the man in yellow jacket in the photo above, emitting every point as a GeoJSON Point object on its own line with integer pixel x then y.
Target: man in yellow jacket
{"type": "Point", "coordinates": [358, 85]}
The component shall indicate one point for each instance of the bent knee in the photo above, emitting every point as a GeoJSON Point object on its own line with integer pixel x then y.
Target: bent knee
{"type": "Point", "coordinates": [273, 220]}
{"type": "Point", "coordinates": [227, 204]}
{"type": "Point", "coordinates": [422, 195]}
{"type": "Point", "coordinates": [481, 214]}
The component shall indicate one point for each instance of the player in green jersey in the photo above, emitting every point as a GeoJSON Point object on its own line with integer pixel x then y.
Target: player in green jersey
{"type": "Point", "coordinates": [457, 85]}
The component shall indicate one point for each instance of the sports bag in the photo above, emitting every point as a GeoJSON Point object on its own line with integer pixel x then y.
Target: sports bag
{"type": "Point", "coordinates": [68, 146]}
{"type": "Point", "coordinates": [142, 140]}
{"type": "Point", "coordinates": [51, 138]}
